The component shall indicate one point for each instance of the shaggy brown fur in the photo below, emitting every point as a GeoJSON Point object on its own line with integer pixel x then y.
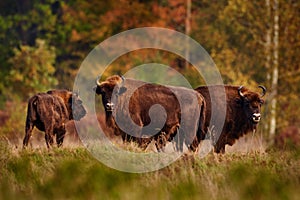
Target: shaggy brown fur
{"type": "Point", "coordinates": [49, 112]}
{"type": "Point", "coordinates": [240, 111]}
{"type": "Point", "coordinates": [143, 97]}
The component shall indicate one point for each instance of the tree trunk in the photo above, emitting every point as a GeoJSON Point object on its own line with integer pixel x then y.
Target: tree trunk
{"type": "Point", "coordinates": [274, 86]}
{"type": "Point", "coordinates": [268, 52]}
{"type": "Point", "coordinates": [187, 31]}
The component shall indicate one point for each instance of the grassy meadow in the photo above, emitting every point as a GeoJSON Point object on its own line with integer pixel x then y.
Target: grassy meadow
{"type": "Point", "coordinates": [72, 173]}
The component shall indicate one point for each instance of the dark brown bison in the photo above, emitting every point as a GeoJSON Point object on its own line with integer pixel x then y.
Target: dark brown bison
{"type": "Point", "coordinates": [242, 113]}
{"type": "Point", "coordinates": [50, 111]}
{"type": "Point", "coordinates": [151, 111]}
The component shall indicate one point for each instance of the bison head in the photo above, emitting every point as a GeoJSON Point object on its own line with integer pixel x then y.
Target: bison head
{"type": "Point", "coordinates": [111, 86]}
{"type": "Point", "coordinates": [251, 103]}
{"type": "Point", "coordinates": [78, 110]}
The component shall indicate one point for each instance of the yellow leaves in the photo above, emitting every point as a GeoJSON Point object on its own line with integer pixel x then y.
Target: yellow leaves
{"type": "Point", "coordinates": [17, 76]}
{"type": "Point", "coordinates": [33, 68]}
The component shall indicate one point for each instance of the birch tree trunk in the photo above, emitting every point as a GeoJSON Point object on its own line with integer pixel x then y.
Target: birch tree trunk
{"type": "Point", "coordinates": [268, 41]}
{"type": "Point", "coordinates": [268, 52]}
{"type": "Point", "coordinates": [274, 86]}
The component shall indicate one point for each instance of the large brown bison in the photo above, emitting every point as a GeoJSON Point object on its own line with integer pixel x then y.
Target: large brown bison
{"type": "Point", "coordinates": [242, 112]}
{"type": "Point", "coordinates": [50, 111]}
{"type": "Point", "coordinates": [156, 111]}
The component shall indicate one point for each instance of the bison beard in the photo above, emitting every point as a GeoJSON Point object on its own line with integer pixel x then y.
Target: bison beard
{"type": "Point", "coordinates": [49, 112]}
{"type": "Point", "coordinates": [242, 112]}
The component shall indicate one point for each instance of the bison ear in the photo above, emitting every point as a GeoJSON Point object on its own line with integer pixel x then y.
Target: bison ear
{"type": "Point", "coordinates": [239, 101]}
{"type": "Point", "coordinates": [122, 90]}
{"type": "Point", "coordinates": [94, 88]}
{"type": "Point", "coordinates": [98, 90]}
{"type": "Point", "coordinates": [70, 99]}
{"type": "Point", "coordinates": [261, 101]}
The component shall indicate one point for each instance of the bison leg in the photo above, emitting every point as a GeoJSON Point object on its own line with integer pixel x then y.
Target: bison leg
{"type": "Point", "coordinates": [60, 135]}
{"type": "Point", "coordinates": [49, 135]}
{"type": "Point", "coordinates": [126, 137]}
{"type": "Point", "coordinates": [193, 147]}
{"type": "Point", "coordinates": [28, 132]}
{"type": "Point", "coordinates": [220, 148]}
{"type": "Point", "coordinates": [179, 139]}
{"type": "Point", "coordinates": [160, 141]}
{"type": "Point", "coordinates": [49, 140]}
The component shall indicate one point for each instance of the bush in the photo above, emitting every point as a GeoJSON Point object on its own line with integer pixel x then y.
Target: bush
{"type": "Point", "coordinates": [13, 129]}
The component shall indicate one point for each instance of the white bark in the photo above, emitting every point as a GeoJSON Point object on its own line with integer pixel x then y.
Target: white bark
{"type": "Point", "coordinates": [274, 85]}
{"type": "Point", "coordinates": [267, 46]}
{"type": "Point", "coordinates": [268, 40]}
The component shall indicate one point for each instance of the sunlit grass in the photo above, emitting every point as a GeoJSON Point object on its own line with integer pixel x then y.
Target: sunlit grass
{"type": "Point", "coordinates": [72, 173]}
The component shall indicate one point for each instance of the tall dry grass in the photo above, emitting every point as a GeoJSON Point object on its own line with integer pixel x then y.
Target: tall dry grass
{"type": "Point", "coordinates": [246, 171]}
{"type": "Point", "coordinates": [72, 173]}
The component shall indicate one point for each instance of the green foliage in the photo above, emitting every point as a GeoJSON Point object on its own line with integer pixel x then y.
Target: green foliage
{"type": "Point", "coordinates": [14, 127]}
{"type": "Point", "coordinates": [233, 32]}
{"type": "Point", "coordinates": [33, 69]}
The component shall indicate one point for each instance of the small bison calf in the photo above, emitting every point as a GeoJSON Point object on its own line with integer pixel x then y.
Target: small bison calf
{"type": "Point", "coordinates": [50, 111]}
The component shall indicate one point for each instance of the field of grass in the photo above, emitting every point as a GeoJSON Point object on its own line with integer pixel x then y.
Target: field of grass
{"type": "Point", "coordinates": [72, 173]}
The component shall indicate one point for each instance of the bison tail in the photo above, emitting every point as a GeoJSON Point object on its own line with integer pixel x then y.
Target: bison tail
{"type": "Point", "coordinates": [32, 112]}
{"type": "Point", "coordinates": [30, 118]}
{"type": "Point", "coordinates": [32, 109]}
{"type": "Point", "coordinates": [202, 129]}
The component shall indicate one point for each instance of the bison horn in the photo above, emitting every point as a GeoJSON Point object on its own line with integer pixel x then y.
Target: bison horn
{"type": "Point", "coordinates": [264, 90]}
{"type": "Point", "coordinates": [98, 81]}
{"type": "Point", "coordinates": [240, 92]}
{"type": "Point", "coordinates": [123, 78]}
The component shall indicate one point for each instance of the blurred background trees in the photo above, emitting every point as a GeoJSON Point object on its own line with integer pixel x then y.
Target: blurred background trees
{"type": "Point", "coordinates": [44, 42]}
{"type": "Point", "coordinates": [32, 70]}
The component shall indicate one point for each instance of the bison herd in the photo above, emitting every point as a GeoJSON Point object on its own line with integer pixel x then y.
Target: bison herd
{"type": "Point", "coordinates": [142, 112]}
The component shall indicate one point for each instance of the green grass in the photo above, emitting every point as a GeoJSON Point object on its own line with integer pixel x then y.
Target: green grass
{"type": "Point", "coordinates": [72, 173]}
